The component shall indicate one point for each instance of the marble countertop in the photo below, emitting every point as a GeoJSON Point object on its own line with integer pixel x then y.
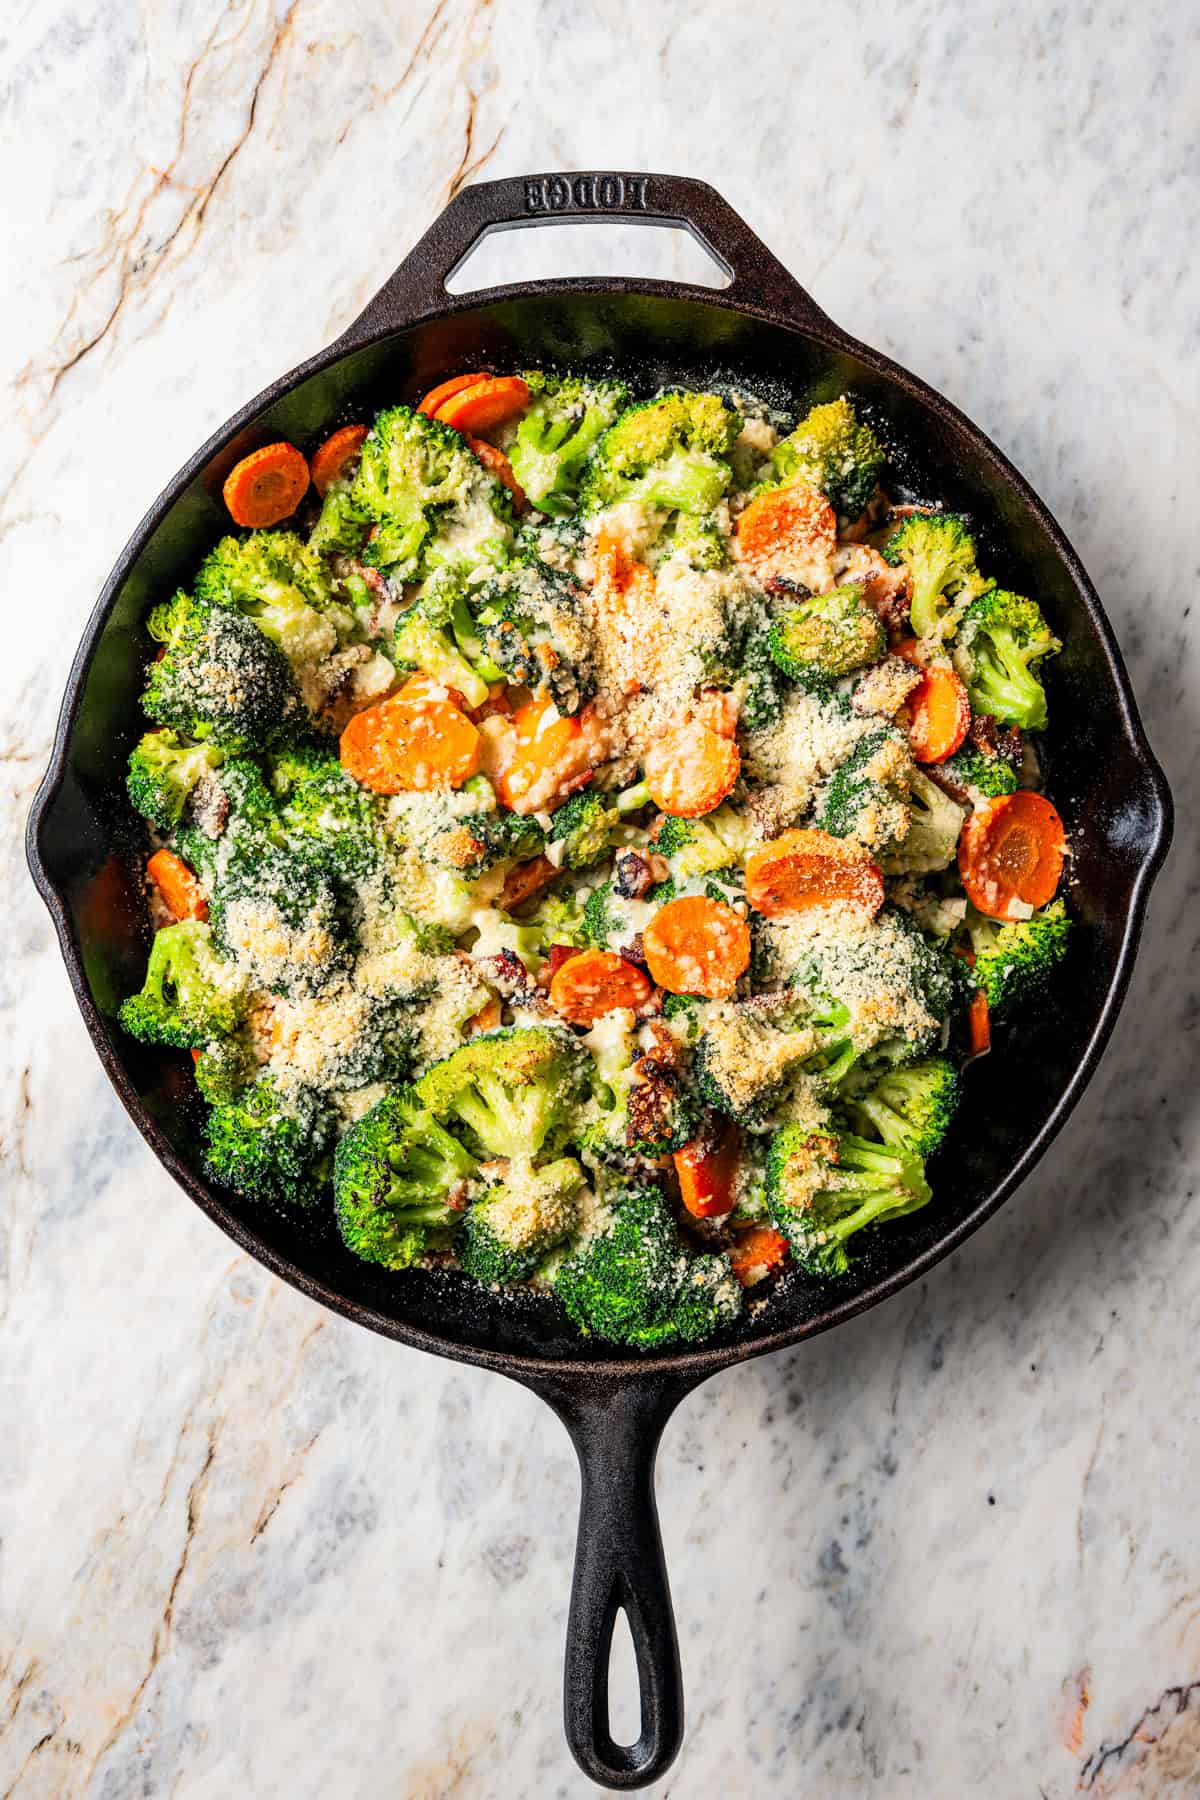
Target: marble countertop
{"type": "Point", "coordinates": [246, 1547]}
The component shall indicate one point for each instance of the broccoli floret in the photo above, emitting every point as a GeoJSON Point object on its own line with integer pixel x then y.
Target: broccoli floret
{"type": "Point", "coordinates": [532, 625]}
{"type": "Point", "coordinates": [559, 919]}
{"type": "Point", "coordinates": [990, 775]}
{"type": "Point", "coordinates": [584, 826]}
{"type": "Point", "coordinates": [190, 993]}
{"type": "Point", "coordinates": [163, 771]}
{"type": "Point", "coordinates": [420, 644]}
{"type": "Point", "coordinates": [224, 1067]}
{"type": "Point", "coordinates": [1001, 638]}
{"type": "Point", "coordinates": [748, 1059]}
{"type": "Point", "coordinates": [696, 539]}
{"type": "Point", "coordinates": [645, 1110]}
{"type": "Point", "coordinates": [520, 1218]}
{"type": "Point", "coordinates": [827, 636]}
{"type": "Point", "coordinates": [832, 451]}
{"type": "Point", "coordinates": [911, 1108]}
{"type": "Point", "coordinates": [898, 986]}
{"type": "Point", "coordinates": [516, 1090]}
{"type": "Point", "coordinates": [269, 1145]}
{"type": "Point", "coordinates": [699, 846]}
{"type": "Point", "coordinates": [635, 1283]}
{"type": "Point", "coordinates": [685, 1007]}
{"type": "Point", "coordinates": [761, 684]}
{"type": "Point", "coordinates": [668, 453]}
{"type": "Point", "coordinates": [607, 918]}
{"type": "Point", "coordinates": [276, 909]}
{"type": "Point", "coordinates": [1014, 961]}
{"type": "Point", "coordinates": [393, 1173]}
{"type": "Point", "coordinates": [821, 1190]}
{"type": "Point", "coordinates": [219, 677]}
{"type": "Point", "coordinates": [342, 525]}
{"type": "Point", "coordinates": [324, 813]}
{"type": "Point", "coordinates": [474, 843]}
{"type": "Point", "coordinates": [931, 841]}
{"type": "Point", "coordinates": [938, 551]}
{"type": "Point", "coordinates": [278, 582]}
{"type": "Point", "coordinates": [419, 482]}
{"type": "Point", "coordinates": [866, 797]}
{"type": "Point", "coordinates": [566, 415]}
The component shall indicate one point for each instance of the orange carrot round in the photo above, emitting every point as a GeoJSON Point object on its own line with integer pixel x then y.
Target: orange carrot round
{"type": "Point", "coordinates": [547, 758]}
{"type": "Point", "coordinates": [498, 464]}
{"type": "Point", "coordinates": [416, 740]}
{"type": "Point", "coordinates": [178, 888]}
{"type": "Point", "coordinates": [1010, 854]}
{"type": "Point", "coordinates": [939, 715]}
{"type": "Point", "coordinates": [754, 1253]}
{"type": "Point", "coordinates": [810, 868]}
{"type": "Point", "coordinates": [697, 946]}
{"type": "Point", "coordinates": [783, 531]}
{"type": "Point", "coordinates": [690, 769]}
{"type": "Point", "coordinates": [266, 486]}
{"type": "Point", "coordinates": [445, 389]}
{"type": "Point", "coordinates": [979, 1024]}
{"type": "Point", "coordinates": [706, 1168]}
{"type": "Point", "coordinates": [492, 401]}
{"type": "Point", "coordinates": [329, 462]}
{"type": "Point", "coordinates": [596, 982]}
{"type": "Point", "coordinates": [487, 1018]}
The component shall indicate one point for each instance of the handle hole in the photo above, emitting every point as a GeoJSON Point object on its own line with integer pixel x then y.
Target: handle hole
{"type": "Point", "coordinates": [624, 1688]}
{"type": "Point", "coordinates": [659, 252]}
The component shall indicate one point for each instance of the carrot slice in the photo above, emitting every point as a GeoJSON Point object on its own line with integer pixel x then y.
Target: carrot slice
{"type": "Point", "coordinates": [266, 486]}
{"type": "Point", "coordinates": [329, 462]}
{"type": "Point", "coordinates": [979, 1024]}
{"type": "Point", "coordinates": [939, 715]}
{"type": "Point", "coordinates": [706, 1168]}
{"type": "Point", "coordinates": [416, 740]}
{"type": "Point", "coordinates": [786, 530]}
{"type": "Point", "coordinates": [487, 1018]}
{"type": "Point", "coordinates": [437, 396]}
{"type": "Point", "coordinates": [180, 891]}
{"type": "Point", "coordinates": [548, 753]}
{"type": "Point", "coordinates": [754, 1253]}
{"type": "Point", "coordinates": [690, 769]}
{"type": "Point", "coordinates": [1010, 854]}
{"type": "Point", "coordinates": [697, 946]}
{"type": "Point", "coordinates": [810, 868]}
{"type": "Point", "coordinates": [596, 982]}
{"type": "Point", "coordinates": [498, 464]}
{"type": "Point", "coordinates": [490, 402]}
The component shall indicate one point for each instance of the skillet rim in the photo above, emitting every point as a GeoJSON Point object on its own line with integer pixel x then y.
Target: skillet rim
{"type": "Point", "coordinates": [682, 1368]}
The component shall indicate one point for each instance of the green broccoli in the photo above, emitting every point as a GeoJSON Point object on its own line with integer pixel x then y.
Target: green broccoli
{"type": "Point", "coordinates": [277, 910]}
{"type": "Point", "coordinates": [634, 1282]}
{"type": "Point", "coordinates": [219, 677]}
{"type": "Point", "coordinates": [826, 636]}
{"type": "Point", "coordinates": [342, 524]}
{"type": "Point", "coordinates": [516, 1090]}
{"type": "Point", "coordinates": [270, 1145]}
{"type": "Point", "coordinates": [393, 1174]}
{"type": "Point", "coordinates": [190, 993]}
{"type": "Point", "coordinates": [559, 919]}
{"type": "Point", "coordinates": [699, 846]}
{"type": "Point", "coordinates": [566, 415]}
{"type": "Point", "coordinates": [420, 644]}
{"type": "Point", "coordinates": [669, 453]}
{"type": "Point", "coordinates": [938, 551]}
{"type": "Point", "coordinates": [1001, 638]}
{"type": "Point", "coordinates": [696, 539]}
{"type": "Point", "coordinates": [163, 772]}
{"type": "Point", "coordinates": [685, 1007]}
{"type": "Point", "coordinates": [325, 814]}
{"type": "Point", "coordinates": [471, 843]}
{"type": "Point", "coordinates": [518, 1219]}
{"type": "Point", "coordinates": [584, 826]}
{"type": "Point", "coordinates": [762, 686]}
{"type": "Point", "coordinates": [225, 1066]}
{"type": "Point", "coordinates": [832, 451]}
{"type": "Point", "coordinates": [911, 1107]}
{"type": "Point", "coordinates": [990, 775]}
{"type": "Point", "coordinates": [821, 1190]}
{"type": "Point", "coordinates": [430, 497]}
{"type": "Point", "coordinates": [532, 625]}
{"type": "Point", "coordinates": [931, 841]}
{"type": "Point", "coordinates": [274, 579]}
{"type": "Point", "coordinates": [1014, 961]}
{"type": "Point", "coordinates": [608, 916]}
{"type": "Point", "coordinates": [866, 797]}
{"type": "Point", "coordinates": [750, 1057]}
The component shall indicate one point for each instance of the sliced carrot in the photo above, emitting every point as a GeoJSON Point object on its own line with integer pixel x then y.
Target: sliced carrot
{"type": "Point", "coordinates": [1010, 854]}
{"type": "Point", "coordinates": [329, 462]}
{"type": "Point", "coordinates": [979, 1024]}
{"type": "Point", "coordinates": [597, 982]}
{"type": "Point", "coordinates": [785, 531]}
{"type": "Point", "coordinates": [690, 770]}
{"type": "Point", "coordinates": [416, 740]}
{"type": "Point", "coordinates": [810, 868]}
{"type": "Point", "coordinates": [706, 1169]}
{"type": "Point", "coordinates": [547, 752]}
{"type": "Point", "coordinates": [492, 401]}
{"type": "Point", "coordinates": [697, 946]}
{"type": "Point", "coordinates": [180, 891]}
{"type": "Point", "coordinates": [266, 486]}
{"type": "Point", "coordinates": [526, 880]}
{"type": "Point", "coordinates": [487, 1018]}
{"type": "Point", "coordinates": [445, 390]}
{"type": "Point", "coordinates": [754, 1253]}
{"type": "Point", "coordinates": [939, 715]}
{"type": "Point", "coordinates": [499, 465]}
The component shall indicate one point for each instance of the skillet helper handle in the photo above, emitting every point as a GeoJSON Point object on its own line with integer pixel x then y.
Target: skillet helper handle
{"type": "Point", "coordinates": [619, 1565]}
{"type": "Point", "coordinates": [758, 279]}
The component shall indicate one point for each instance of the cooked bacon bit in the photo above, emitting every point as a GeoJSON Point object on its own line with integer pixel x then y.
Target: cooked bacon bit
{"type": "Point", "coordinates": [526, 880]}
{"type": "Point", "coordinates": [650, 1104]}
{"type": "Point", "coordinates": [667, 1050]}
{"type": "Point", "coordinates": [989, 740]}
{"type": "Point", "coordinates": [637, 871]}
{"type": "Point", "coordinates": [556, 956]}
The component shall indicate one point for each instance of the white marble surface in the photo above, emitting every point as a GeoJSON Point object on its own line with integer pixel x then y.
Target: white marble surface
{"type": "Point", "coordinates": [246, 1548]}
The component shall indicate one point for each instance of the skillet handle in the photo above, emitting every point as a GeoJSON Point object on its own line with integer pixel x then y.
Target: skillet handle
{"type": "Point", "coordinates": [619, 1565]}
{"type": "Point", "coordinates": [758, 280]}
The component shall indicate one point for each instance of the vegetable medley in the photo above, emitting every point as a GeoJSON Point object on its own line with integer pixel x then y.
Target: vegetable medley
{"type": "Point", "coordinates": [591, 835]}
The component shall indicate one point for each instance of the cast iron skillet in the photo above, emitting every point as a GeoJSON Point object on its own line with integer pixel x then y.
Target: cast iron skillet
{"type": "Point", "coordinates": [83, 848]}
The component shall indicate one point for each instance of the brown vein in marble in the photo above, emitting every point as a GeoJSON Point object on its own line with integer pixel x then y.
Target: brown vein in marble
{"type": "Point", "coordinates": [34, 1751]}
{"type": "Point", "coordinates": [1173, 1702]}
{"type": "Point", "coordinates": [468, 166]}
{"type": "Point", "coordinates": [435, 30]}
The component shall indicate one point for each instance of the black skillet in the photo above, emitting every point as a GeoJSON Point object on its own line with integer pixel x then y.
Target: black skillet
{"type": "Point", "coordinates": [83, 843]}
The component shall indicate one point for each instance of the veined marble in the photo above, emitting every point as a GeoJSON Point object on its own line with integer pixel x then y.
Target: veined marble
{"type": "Point", "coordinates": [248, 1548]}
